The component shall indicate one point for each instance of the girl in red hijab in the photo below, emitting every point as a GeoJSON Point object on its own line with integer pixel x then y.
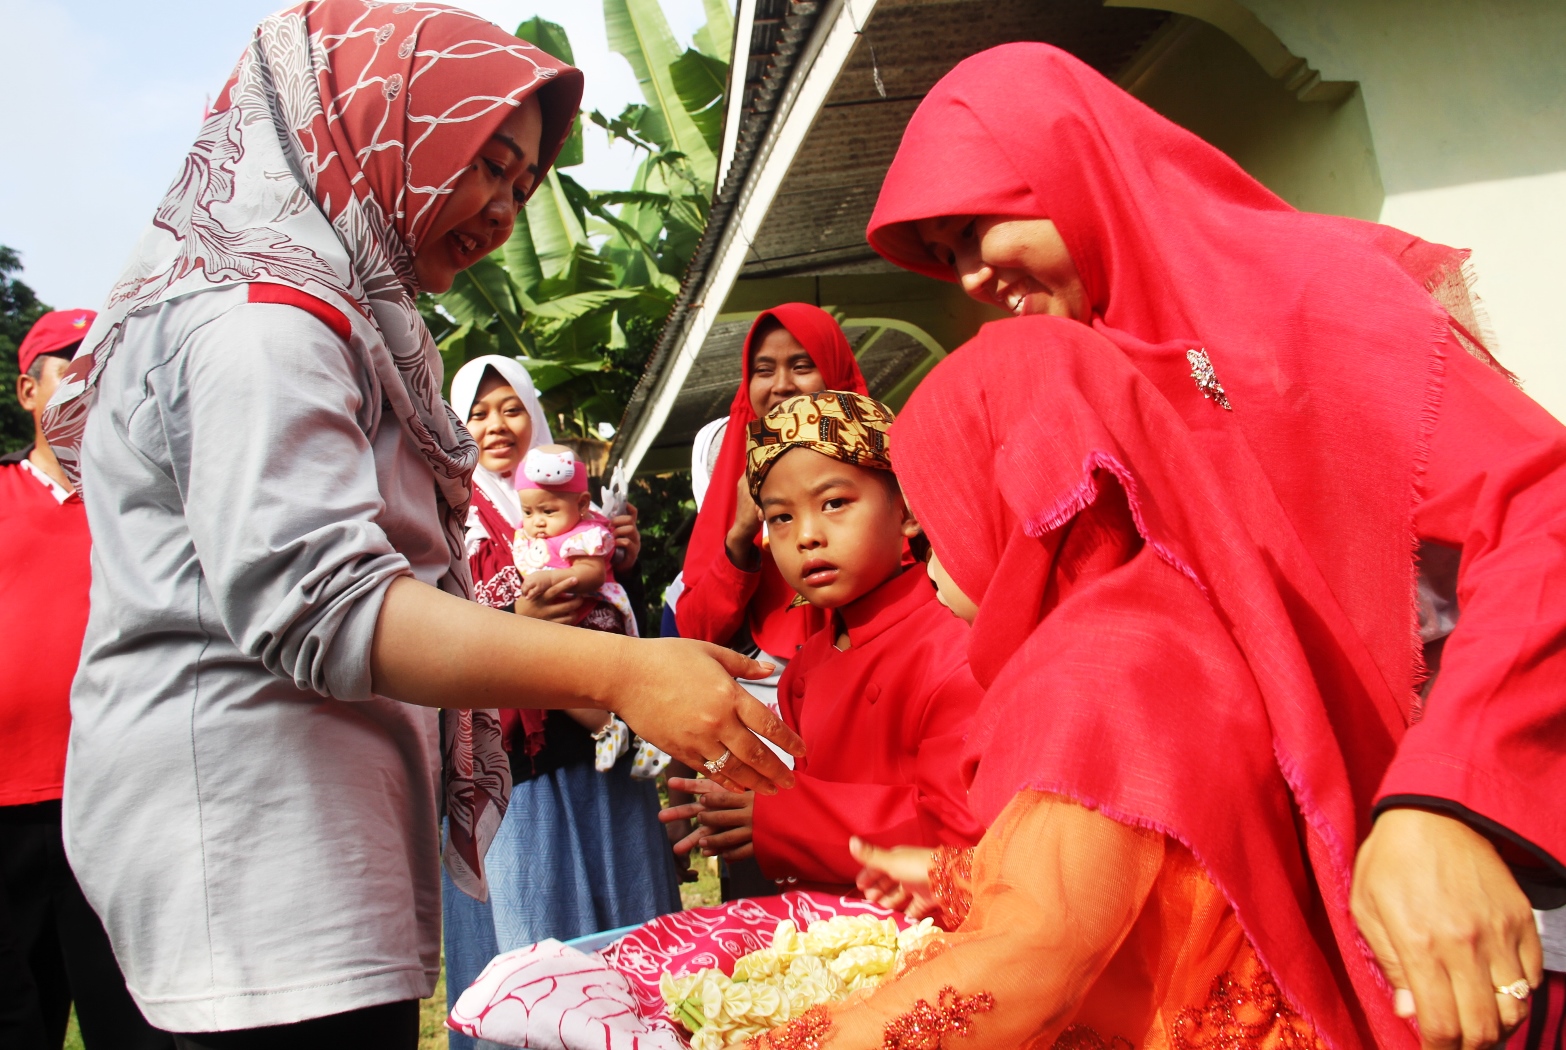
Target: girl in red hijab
{"type": "Point", "coordinates": [1323, 407]}
{"type": "Point", "coordinates": [731, 584]}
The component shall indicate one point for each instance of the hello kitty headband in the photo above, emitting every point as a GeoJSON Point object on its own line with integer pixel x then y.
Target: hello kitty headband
{"type": "Point", "coordinates": [552, 471]}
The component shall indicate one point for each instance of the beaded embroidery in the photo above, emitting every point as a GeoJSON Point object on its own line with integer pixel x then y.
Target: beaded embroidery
{"type": "Point", "coordinates": [1207, 379]}
{"type": "Point", "coordinates": [1240, 1016]}
{"type": "Point", "coordinates": [1083, 1037]}
{"type": "Point", "coordinates": [951, 881]}
{"type": "Point", "coordinates": [804, 1032]}
{"type": "Point", "coordinates": [922, 1027]}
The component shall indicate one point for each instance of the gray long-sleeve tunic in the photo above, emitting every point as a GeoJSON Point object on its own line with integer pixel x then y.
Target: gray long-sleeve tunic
{"type": "Point", "coordinates": [257, 830]}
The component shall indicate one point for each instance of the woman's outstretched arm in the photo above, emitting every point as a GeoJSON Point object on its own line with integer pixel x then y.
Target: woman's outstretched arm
{"type": "Point", "coordinates": [438, 650]}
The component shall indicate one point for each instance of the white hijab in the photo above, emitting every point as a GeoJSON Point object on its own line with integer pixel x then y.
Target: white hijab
{"type": "Point", "coordinates": [704, 456]}
{"type": "Point", "coordinates": [464, 391]}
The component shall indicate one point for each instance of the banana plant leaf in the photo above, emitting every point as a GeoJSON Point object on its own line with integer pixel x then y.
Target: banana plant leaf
{"type": "Point", "coordinates": [521, 258]}
{"type": "Point", "coordinates": [555, 226]}
{"type": "Point", "coordinates": [638, 30]}
{"type": "Point", "coordinates": [700, 81]}
{"type": "Point", "coordinates": [716, 38]}
{"type": "Point", "coordinates": [482, 294]}
{"type": "Point", "coordinates": [551, 38]}
{"type": "Point", "coordinates": [547, 375]}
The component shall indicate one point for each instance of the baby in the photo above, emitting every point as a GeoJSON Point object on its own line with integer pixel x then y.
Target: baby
{"type": "Point", "coordinates": [562, 536]}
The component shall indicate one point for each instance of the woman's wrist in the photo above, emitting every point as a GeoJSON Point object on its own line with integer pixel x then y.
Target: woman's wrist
{"type": "Point", "coordinates": [614, 667]}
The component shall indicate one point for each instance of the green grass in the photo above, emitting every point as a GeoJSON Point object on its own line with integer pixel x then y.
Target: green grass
{"type": "Point", "coordinates": [432, 1014]}
{"type": "Point", "coordinates": [73, 1034]}
{"type": "Point", "coordinates": [704, 891]}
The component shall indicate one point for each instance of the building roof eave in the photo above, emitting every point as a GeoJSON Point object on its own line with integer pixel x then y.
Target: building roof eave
{"type": "Point", "coordinates": [816, 40]}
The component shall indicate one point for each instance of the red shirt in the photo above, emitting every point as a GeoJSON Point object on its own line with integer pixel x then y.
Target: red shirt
{"type": "Point", "coordinates": [44, 577]}
{"type": "Point", "coordinates": [1488, 741]}
{"type": "Point", "coordinates": [883, 723]}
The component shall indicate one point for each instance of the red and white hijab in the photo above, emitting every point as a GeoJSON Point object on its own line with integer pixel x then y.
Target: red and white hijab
{"type": "Point", "coordinates": [321, 166]}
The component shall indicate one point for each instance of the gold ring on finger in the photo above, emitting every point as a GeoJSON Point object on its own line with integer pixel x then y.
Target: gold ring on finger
{"type": "Point", "coordinates": [1518, 989]}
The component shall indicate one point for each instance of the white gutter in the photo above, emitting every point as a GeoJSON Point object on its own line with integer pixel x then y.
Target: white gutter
{"type": "Point", "coordinates": [802, 100]}
{"type": "Point", "coordinates": [739, 64]}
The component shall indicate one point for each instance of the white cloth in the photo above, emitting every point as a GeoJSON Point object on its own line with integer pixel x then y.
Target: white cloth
{"type": "Point", "coordinates": [549, 996]}
{"type": "Point", "coordinates": [59, 492]}
{"type": "Point", "coordinates": [259, 833]}
{"type": "Point", "coordinates": [766, 690]}
{"type": "Point", "coordinates": [704, 456]}
{"type": "Point", "coordinates": [1552, 934]}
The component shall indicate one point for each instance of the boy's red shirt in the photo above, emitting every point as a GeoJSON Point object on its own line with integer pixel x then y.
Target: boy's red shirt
{"type": "Point", "coordinates": [883, 724]}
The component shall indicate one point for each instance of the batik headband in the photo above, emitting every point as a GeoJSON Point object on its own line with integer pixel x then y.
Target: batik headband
{"type": "Point", "coordinates": [838, 423]}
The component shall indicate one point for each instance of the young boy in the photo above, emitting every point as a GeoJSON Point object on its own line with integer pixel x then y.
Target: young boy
{"type": "Point", "coordinates": [883, 695]}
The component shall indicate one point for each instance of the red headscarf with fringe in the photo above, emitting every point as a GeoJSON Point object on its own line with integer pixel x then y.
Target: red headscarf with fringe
{"type": "Point", "coordinates": [1304, 353]}
{"type": "Point", "coordinates": [1194, 699]}
{"type": "Point", "coordinates": [776, 628]}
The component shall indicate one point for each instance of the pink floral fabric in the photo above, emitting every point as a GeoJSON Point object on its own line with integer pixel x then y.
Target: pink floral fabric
{"type": "Point", "coordinates": [324, 160]}
{"type": "Point", "coordinates": [548, 996]}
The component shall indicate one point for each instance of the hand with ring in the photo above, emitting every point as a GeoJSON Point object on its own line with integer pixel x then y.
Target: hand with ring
{"type": "Point", "coordinates": [681, 695]}
{"type": "Point", "coordinates": [1452, 931]}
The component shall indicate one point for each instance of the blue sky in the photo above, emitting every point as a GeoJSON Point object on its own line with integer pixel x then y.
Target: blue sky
{"type": "Point", "coordinates": [105, 97]}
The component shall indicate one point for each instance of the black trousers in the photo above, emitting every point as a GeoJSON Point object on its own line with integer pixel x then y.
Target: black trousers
{"type": "Point", "coordinates": [390, 1026]}
{"type": "Point", "coordinates": [53, 950]}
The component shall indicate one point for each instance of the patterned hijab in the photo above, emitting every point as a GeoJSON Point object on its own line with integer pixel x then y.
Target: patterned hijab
{"type": "Point", "coordinates": [322, 165]}
{"type": "Point", "coordinates": [775, 627]}
{"type": "Point", "coordinates": [839, 424]}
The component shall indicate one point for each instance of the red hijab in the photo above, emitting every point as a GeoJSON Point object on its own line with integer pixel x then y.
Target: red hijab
{"type": "Point", "coordinates": [1328, 345]}
{"type": "Point", "coordinates": [1192, 707]}
{"type": "Point", "coordinates": [774, 626]}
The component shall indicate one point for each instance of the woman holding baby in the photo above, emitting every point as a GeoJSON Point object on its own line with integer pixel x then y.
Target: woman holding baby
{"type": "Point", "coordinates": [580, 849]}
{"type": "Point", "coordinates": [278, 499]}
{"type": "Point", "coordinates": [1178, 497]}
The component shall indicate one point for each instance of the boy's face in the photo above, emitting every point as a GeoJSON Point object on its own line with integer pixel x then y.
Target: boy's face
{"type": "Point", "coordinates": [547, 514]}
{"type": "Point", "coordinates": [835, 530]}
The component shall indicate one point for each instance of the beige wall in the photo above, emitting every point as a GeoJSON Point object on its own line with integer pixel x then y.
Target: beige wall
{"type": "Point", "coordinates": [1315, 155]}
{"type": "Point", "coordinates": [1465, 104]}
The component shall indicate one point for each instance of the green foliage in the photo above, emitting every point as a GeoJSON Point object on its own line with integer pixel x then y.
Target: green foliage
{"type": "Point", "coordinates": [700, 81]}
{"type": "Point", "coordinates": [550, 38]}
{"type": "Point", "coordinates": [19, 308]}
{"type": "Point", "coordinates": [716, 38]}
{"type": "Point", "coordinates": [638, 30]}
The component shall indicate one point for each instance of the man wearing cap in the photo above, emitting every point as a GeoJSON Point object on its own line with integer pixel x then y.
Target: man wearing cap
{"type": "Point", "coordinates": [52, 946]}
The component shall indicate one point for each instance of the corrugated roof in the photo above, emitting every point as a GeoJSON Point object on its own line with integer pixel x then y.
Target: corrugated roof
{"type": "Point", "coordinates": [816, 222]}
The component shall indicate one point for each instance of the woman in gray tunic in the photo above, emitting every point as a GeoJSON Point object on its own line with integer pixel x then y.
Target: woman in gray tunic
{"type": "Point", "coordinates": [276, 493]}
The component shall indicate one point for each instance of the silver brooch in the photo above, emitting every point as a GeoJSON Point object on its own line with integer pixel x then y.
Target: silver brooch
{"type": "Point", "coordinates": [1207, 379]}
